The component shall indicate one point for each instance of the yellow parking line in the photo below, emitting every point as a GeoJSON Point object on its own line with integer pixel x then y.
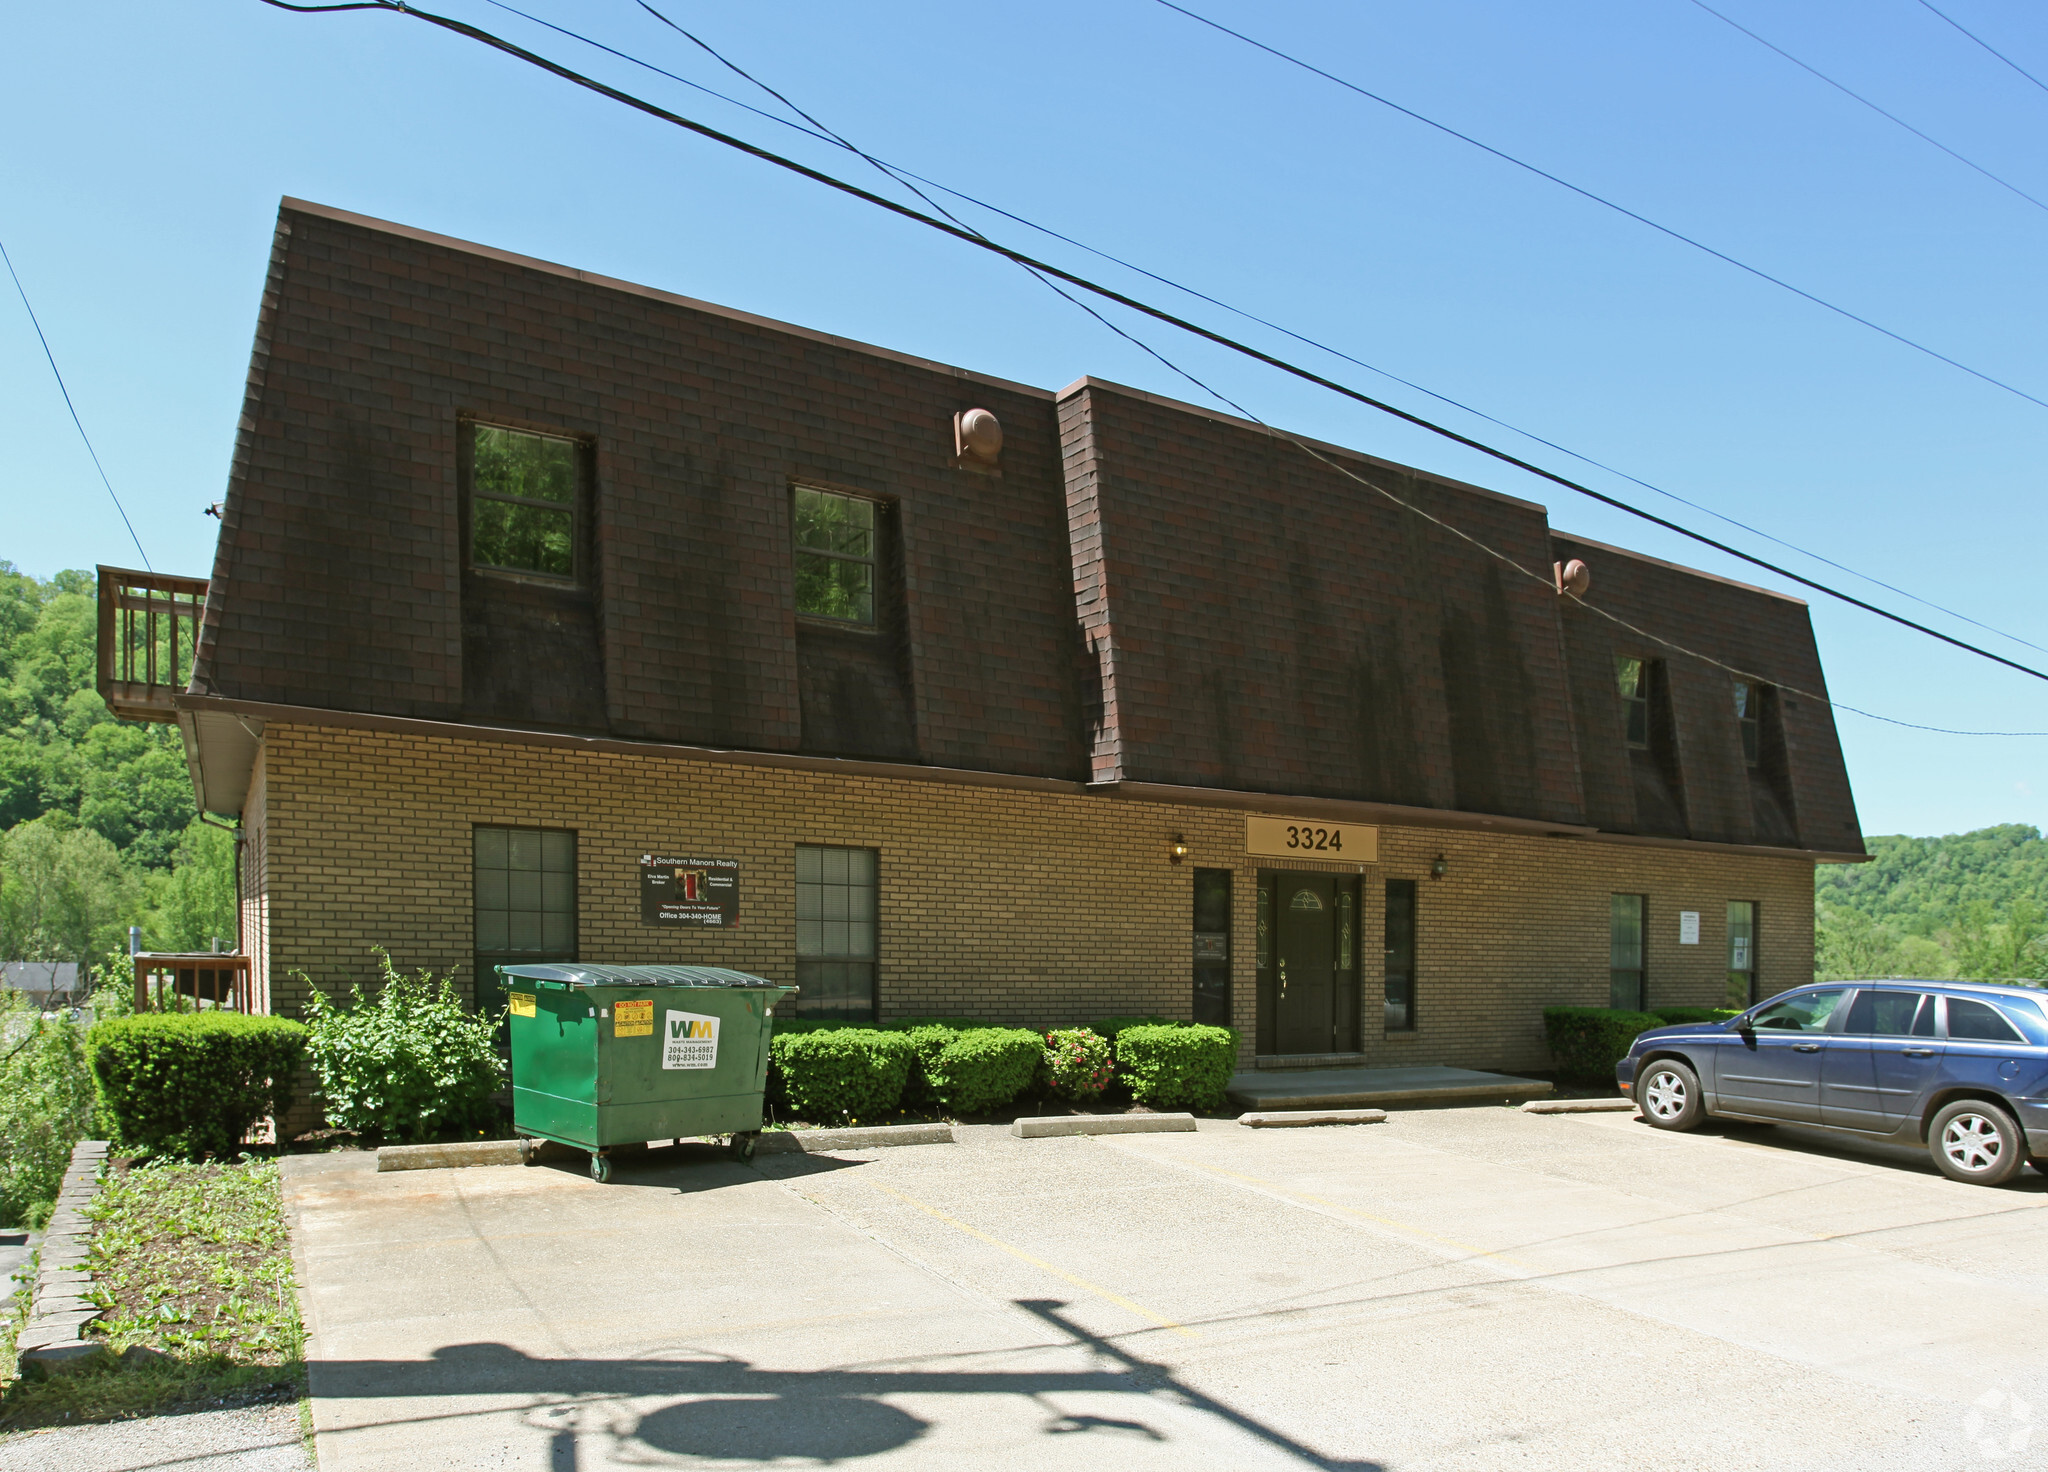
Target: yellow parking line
{"type": "Point", "coordinates": [1038, 1262]}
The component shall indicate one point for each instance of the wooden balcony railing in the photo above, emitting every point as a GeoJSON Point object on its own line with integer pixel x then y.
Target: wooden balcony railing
{"type": "Point", "coordinates": [149, 626]}
{"type": "Point", "coordinates": [206, 978]}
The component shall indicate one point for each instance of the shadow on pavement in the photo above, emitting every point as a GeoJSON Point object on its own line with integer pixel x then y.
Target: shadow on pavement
{"type": "Point", "coordinates": [737, 1412]}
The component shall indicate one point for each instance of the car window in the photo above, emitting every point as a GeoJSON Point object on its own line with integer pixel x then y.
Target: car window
{"type": "Point", "coordinates": [1887, 1013]}
{"type": "Point", "coordinates": [1806, 1012]}
{"type": "Point", "coordinates": [1979, 1022]}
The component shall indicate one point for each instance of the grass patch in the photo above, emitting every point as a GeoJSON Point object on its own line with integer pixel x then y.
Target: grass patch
{"type": "Point", "coordinates": [193, 1275]}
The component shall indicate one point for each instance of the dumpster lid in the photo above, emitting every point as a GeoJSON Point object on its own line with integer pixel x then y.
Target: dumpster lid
{"type": "Point", "coordinates": [580, 975]}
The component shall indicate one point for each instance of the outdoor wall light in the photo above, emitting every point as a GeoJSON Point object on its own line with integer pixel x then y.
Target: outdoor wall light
{"type": "Point", "coordinates": [1178, 850]}
{"type": "Point", "coordinates": [1438, 868]}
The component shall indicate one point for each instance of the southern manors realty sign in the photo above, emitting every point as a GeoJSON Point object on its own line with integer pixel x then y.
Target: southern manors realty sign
{"type": "Point", "coordinates": [689, 891]}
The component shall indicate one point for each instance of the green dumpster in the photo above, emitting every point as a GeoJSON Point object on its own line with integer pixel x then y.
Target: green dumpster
{"type": "Point", "coordinates": [619, 1055]}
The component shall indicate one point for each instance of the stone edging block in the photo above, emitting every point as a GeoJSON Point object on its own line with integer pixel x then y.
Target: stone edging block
{"type": "Point", "coordinates": [782, 1142]}
{"type": "Point", "coordinates": [1579, 1106]}
{"type": "Point", "coordinates": [448, 1157]}
{"type": "Point", "coordinates": [54, 1336]}
{"type": "Point", "coordinates": [1049, 1125]}
{"type": "Point", "coordinates": [1282, 1118]}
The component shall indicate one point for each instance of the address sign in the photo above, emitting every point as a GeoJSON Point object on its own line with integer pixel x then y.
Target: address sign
{"type": "Point", "coordinates": [1312, 838]}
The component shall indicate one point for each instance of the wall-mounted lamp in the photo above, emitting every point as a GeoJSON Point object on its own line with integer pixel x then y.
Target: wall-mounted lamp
{"type": "Point", "coordinates": [1178, 849]}
{"type": "Point", "coordinates": [1438, 868]}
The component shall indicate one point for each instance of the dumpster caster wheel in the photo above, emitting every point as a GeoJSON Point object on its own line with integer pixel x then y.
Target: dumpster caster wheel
{"type": "Point", "coordinates": [529, 1151]}
{"type": "Point", "coordinates": [742, 1147]}
{"type": "Point", "coordinates": [600, 1169]}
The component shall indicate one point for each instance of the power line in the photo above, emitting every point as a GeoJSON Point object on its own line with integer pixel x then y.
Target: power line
{"type": "Point", "coordinates": [811, 128]}
{"type": "Point", "coordinates": [51, 357]}
{"type": "Point", "coordinates": [1298, 443]}
{"type": "Point", "coordinates": [1989, 47]}
{"type": "Point", "coordinates": [1881, 112]}
{"type": "Point", "coordinates": [497, 43]}
{"type": "Point", "coordinates": [1603, 201]}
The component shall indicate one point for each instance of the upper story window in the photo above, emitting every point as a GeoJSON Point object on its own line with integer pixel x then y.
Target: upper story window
{"type": "Point", "coordinates": [524, 501]}
{"type": "Point", "coordinates": [1632, 676]}
{"type": "Point", "coordinates": [835, 557]}
{"type": "Point", "coordinates": [1748, 704]}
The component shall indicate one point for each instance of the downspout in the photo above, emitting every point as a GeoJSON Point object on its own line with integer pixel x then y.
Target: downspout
{"type": "Point", "coordinates": [240, 840]}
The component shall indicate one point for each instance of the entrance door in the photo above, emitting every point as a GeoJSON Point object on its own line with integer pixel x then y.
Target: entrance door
{"type": "Point", "coordinates": [1303, 1015]}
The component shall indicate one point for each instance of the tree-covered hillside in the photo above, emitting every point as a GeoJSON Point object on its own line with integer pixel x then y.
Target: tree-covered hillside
{"type": "Point", "coordinates": [97, 830]}
{"type": "Point", "coordinates": [1966, 905]}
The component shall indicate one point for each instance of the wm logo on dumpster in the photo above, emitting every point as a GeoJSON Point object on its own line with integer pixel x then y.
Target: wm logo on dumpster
{"type": "Point", "coordinates": [689, 1040]}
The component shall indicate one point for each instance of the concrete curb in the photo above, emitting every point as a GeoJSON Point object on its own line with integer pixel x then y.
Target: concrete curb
{"type": "Point", "coordinates": [810, 1142]}
{"type": "Point", "coordinates": [59, 1312]}
{"type": "Point", "coordinates": [1049, 1125]}
{"type": "Point", "coordinates": [1282, 1118]}
{"type": "Point", "coordinates": [1579, 1106]}
{"type": "Point", "coordinates": [448, 1157]}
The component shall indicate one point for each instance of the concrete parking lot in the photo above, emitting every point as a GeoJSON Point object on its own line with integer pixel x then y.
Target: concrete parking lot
{"type": "Point", "coordinates": [1458, 1288]}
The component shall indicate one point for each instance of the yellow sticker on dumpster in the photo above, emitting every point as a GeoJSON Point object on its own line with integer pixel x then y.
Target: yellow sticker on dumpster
{"type": "Point", "coordinates": [633, 1019]}
{"type": "Point", "coordinates": [522, 1004]}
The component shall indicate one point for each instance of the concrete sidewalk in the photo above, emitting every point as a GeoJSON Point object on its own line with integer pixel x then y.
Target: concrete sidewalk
{"type": "Point", "coordinates": [1457, 1290]}
{"type": "Point", "coordinates": [1354, 1088]}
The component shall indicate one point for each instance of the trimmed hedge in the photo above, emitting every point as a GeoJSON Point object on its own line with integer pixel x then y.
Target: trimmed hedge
{"type": "Point", "coordinates": [1586, 1042]}
{"type": "Point", "coordinates": [193, 1083]}
{"type": "Point", "coordinates": [982, 1069]}
{"type": "Point", "coordinates": [1076, 1064]}
{"type": "Point", "coordinates": [1110, 1027]}
{"type": "Point", "coordinates": [839, 1075]}
{"type": "Point", "coordinates": [1672, 1016]}
{"type": "Point", "coordinates": [1176, 1065]}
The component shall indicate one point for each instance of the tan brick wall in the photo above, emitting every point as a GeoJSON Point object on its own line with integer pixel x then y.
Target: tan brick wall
{"type": "Point", "coordinates": [1015, 906]}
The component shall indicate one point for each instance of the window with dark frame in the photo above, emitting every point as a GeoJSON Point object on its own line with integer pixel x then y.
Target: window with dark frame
{"type": "Point", "coordinates": [1400, 956]}
{"type": "Point", "coordinates": [1742, 987]}
{"type": "Point", "coordinates": [1626, 983]}
{"type": "Point", "coordinates": [1212, 946]}
{"type": "Point", "coordinates": [835, 557]}
{"type": "Point", "coordinates": [1748, 699]}
{"type": "Point", "coordinates": [524, 901]}
{"type": "Point", "coordinates": [1632, 679]}
{"type": "Point", "coordinates": [525, 501]}
{"type": "Point", "coordinates": [835, 933]}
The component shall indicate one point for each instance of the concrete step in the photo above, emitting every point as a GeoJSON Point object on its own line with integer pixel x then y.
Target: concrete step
{"type": "Point", "coordinates": [1351, 1088]}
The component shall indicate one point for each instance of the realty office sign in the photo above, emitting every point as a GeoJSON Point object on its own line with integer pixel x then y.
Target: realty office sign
{"type": "Point", "coordinates": [689, 891]}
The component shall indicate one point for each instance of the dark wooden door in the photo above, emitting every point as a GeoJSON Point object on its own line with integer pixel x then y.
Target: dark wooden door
{"type": "Point", "coordinates": [1305, 1013]}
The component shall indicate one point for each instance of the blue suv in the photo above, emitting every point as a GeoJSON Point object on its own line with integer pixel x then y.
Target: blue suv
{"type": "Point", "coordinates": [1957, 1066]}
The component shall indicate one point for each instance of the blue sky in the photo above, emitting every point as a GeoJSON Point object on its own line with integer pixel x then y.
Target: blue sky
{"type": "Point", "coordinates": [149, 145]}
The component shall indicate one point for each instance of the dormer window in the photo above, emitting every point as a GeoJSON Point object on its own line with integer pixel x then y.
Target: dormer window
{"type": "Point", "coordinates": [524, 501]}
{"type": "Point", "coordinates": [1748, 710]}
{"type": "Point", "coordinates": [1632, 676]}
{"type": "Point", "coordinates": [835, 557]}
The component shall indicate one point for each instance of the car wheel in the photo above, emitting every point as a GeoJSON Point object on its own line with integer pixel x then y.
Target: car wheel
{"type": "Point", "coordinates": [1977, 1143]}
{"type": "Point", "coordinates": [1668, 1093]}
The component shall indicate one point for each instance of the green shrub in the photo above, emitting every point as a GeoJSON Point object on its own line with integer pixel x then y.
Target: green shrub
{"type": "Point", "coordinates": [928, 1040]}
{"type": "Point", "coordinates": [1176, 1065]}
{"type": "Point", "coordinates": [410, 1063]}
{"type": "Point", "coordinates": [1110, 1027]}
{"type": "Point", "coordinates": [1076, 1064]}
{"type": "Point", "coordinates": [1672, 1016]}
{"type": "Point", "coordinates": [46, 1107]}
{"type": "Point", "coordinates": [981, 1069]}
{"type": "Point", "coordinates": [193, 1083]}
{"type": "Point", "coordinates": [1586, 1042]}
{"type": "Point", "coordinates": [843, 1074]}
{"type": "Point", "coordinates": [911, 1024]}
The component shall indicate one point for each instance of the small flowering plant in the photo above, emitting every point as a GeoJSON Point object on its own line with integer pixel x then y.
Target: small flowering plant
{"type": "Point", "coordinates": [1077, 1064]}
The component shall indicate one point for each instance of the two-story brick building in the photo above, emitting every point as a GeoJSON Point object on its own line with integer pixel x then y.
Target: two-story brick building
{"type": "Point", "coordinates": [558, 617]}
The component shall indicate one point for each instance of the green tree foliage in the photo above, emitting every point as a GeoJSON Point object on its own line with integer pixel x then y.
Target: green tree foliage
{"type": "Point", "coordinates": [1968, 905]}
{"type": "Point", "coordinates": [97, 828]}
{"type": "Point", "coordinates": [46, 1107]}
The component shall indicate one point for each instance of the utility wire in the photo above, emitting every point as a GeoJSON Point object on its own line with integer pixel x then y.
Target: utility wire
{"type": "Point", "coordinates": [1881, 112]}
{"type": "Point", "coordinates": [1298, 443]}
{"type": "Point", "coordinates": [498, 43]}
{"type": "Point", "coordinates": [1666, 230]}
{"type": "Point", "coordinates": [911, 179]}
{"type": "Point", "coordinates": [51, 357]}
{"type": "Point", "coordinates": [1989, 47]}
